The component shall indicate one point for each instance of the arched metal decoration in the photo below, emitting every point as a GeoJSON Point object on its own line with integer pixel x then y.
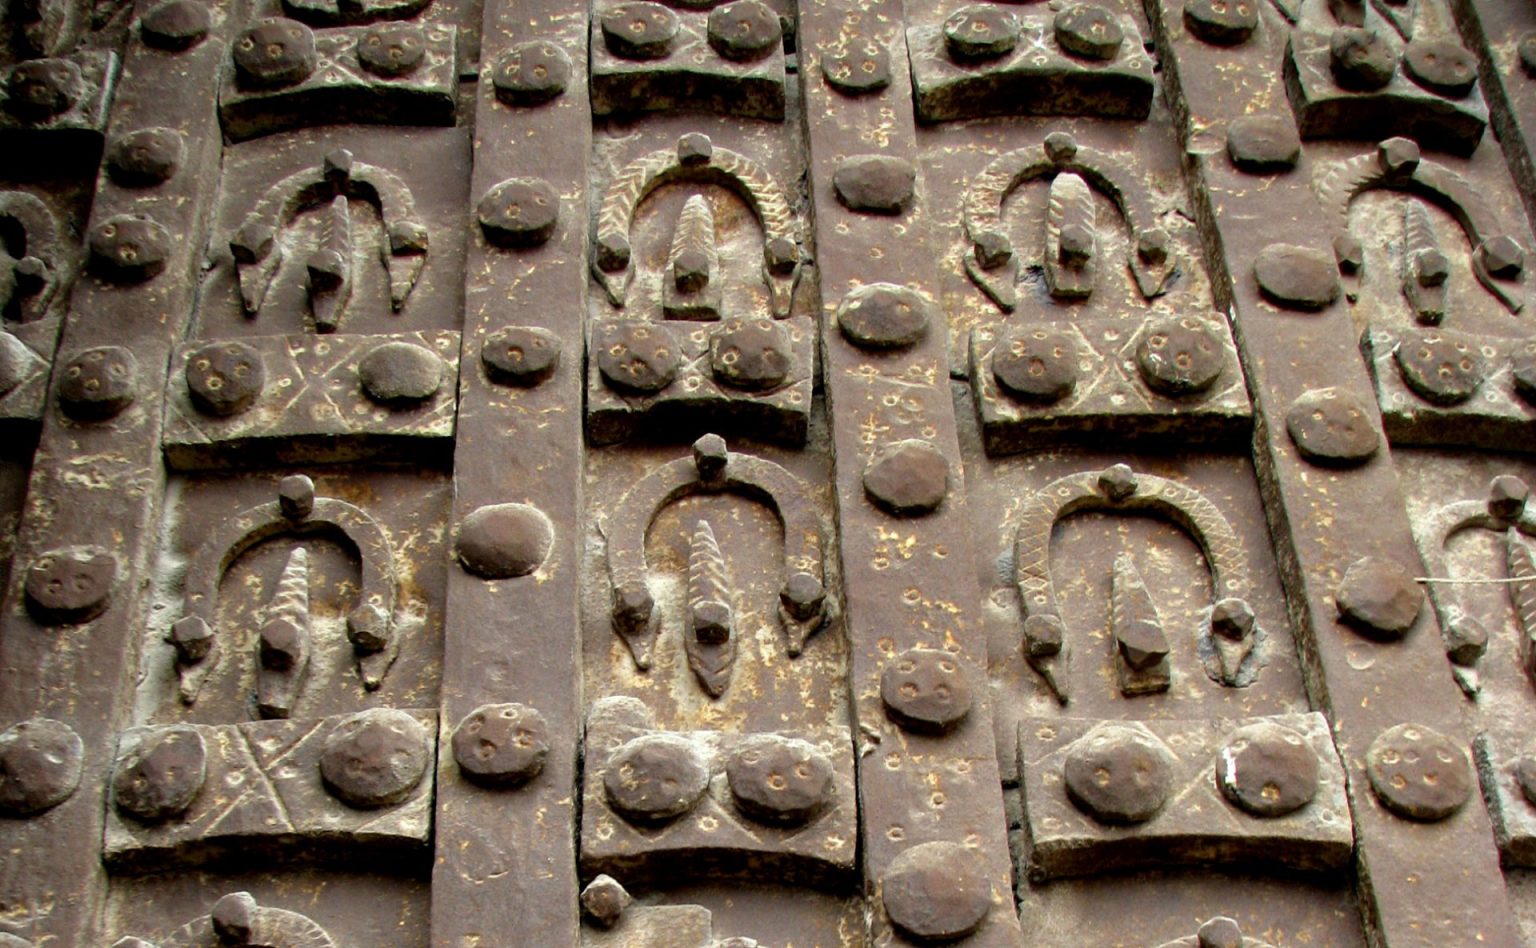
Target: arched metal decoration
{"type": "Point", "coordinates": [992, 262]}
{"type": "Point", "coordinates": [236, 919]}
{"type": "Point", "coordinates": [712, 470]}
{"type": "Point", "coordinates": [696, 159]}
{"type": "Point", "coordinates": [372, 625]}
{"type": "Point", "coordinates": [1507, 513]}
{"type": "Point", "coordinates": [258, 254]}
{"type": "Point", "coordinates": [1397, 166]}
{"type": "Point", "coordinates": [1118, 490]}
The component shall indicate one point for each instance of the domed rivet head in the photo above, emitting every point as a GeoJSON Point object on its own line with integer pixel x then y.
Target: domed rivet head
{"type": "Point", "coordinates": [1297, 277]}
{"type": "Point", "coordinates": [519, 213]}
{"type": "Point", "coordinates": [926, 690]}
{"type": "Point", "coordinates": [274, 53]}
{"type": "Point", "coordinates": [875, 184]}
{"type": "Point", "coordinates": [501, 745]}
{"type": "Point", "coordinates": [374, 758]}
{"type": "Point", "coordinates": [1220, 932]}
{"type": "Point", "coordinates": [162, 775]}
{"type": "Point", "coordinates": [1180, 356]}
{"type": "Point", "coordinates": [129, 248]}
{"type": "Point", "coordinates": [778, 780]}
{"type": "Point", "coordinates": [1117, 482]}
{"type": "Point", "coordinates": [1360, 59]}
{"type": "Point", "coordinates": [1379, 598]}
{"type": "Point", "coordinates": [1222, 22]}
{"type": "Point", "coordinates": [656, 777]}
{"type": "Point", "coordinates": [744, 31]}
{"type": "Point", "coordinates": [1418, 773]}
{"type": "Point", "coordinates": [1089, 31]}
{"type": "Point", "coordinates": [1267, 770]}
{"type": "Point", "coordinates": [504, 541]}
{"type": "Point", "coordinates": [636, 357]}
{"type": "Point", "coordinates": [400, 374]}
{"type": "Point", "coordinates": [1443, 370]}
{"type": "Point", "coordinates": [40, 766]}
{"type": "Point", "coordinates": [752, 355]}
{"type": "Point", "coordinates": [1037, 366]}
{"type": "Point", "coordinates": [604, 900]}
{"type": "Point", "coordinates": [234, 918]}
{"type": "Point", "coordinates": [175, 26]}
{"type": "Point", "coordinates": [1332, 427]}
{"type": "Point", "coordinates": [1118, 775]}
{"type": "Point", "coordinates": [884, 316]}
{"type": "Point", "coordinates": [1441, 66]}
{"type": "Point", "coordinates": [979, 33]}
{"type": "Point", "coordinates": [937, 891]}
{"type": "Point", "coordinates": [98, 383]}
{"type": "Point", "coordinates": [296, 496]}
{"type": "Point", "coordinates": [1507, 496]}
{"type": "Point", "coordinates": [520, 355]}
{"type": "Point", "coordinates": [71, 584]}
{"type": "Point", "coordinates": [861, 68]}
{"type": "Point", "coordinates": [224, 378]}
{"type": "Point", "coordinates": [531, 73]}
{"type": "Point", "coordinates": [1263, 144]}
{"type": "Point", "coordinates": [392, 50]}
{"type": "Point", "coordinates": [907, 478]}
{"type": "Point", "coordinates": [146, 157]}
{"type": "Point", "coordinates": [639, 30]}
{"type": "Point", "coordinates": [40, 89]}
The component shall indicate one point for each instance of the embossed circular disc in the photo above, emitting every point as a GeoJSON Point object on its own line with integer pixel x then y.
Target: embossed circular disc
{"type": "Point", "coordinates": [129, 248]}
{"type": "Point", "coordinates": [1418, 773]}
{"type": "Point", "coordinates": [937, 891]}
{"type": "Point", "coordinates": [1118, 775]}
{"type": "Point", "coordinates": [1297, 277]}
{"type": "Point", "coordinates": [655, 777]}
{"type": "Point", "coordinates": [1267, 769]}
{"type": "Point", "coordinates": [519, 212]}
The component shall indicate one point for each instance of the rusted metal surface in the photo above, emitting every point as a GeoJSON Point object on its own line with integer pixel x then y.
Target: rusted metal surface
{"type": "Point", "coordinates": [729, 474]}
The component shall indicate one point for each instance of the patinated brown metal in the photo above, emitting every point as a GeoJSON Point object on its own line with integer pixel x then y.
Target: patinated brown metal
{"type": "Point", "coordinates": [721, 474]}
